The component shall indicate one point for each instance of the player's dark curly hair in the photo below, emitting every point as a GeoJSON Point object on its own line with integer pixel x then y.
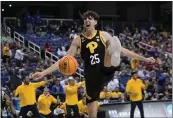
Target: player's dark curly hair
{"type": "Point", "coordinates": [92, 14]}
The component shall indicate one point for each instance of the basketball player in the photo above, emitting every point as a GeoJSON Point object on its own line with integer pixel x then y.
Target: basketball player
{"type": "Point", "coordinates": [101, 55]}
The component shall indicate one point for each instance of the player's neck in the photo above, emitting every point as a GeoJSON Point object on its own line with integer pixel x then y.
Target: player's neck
{"type": "Point", "coordinates": [89, 33]}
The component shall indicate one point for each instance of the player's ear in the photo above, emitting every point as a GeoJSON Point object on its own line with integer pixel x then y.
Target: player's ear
{"type": "Point", "coordinates": [95, 22]}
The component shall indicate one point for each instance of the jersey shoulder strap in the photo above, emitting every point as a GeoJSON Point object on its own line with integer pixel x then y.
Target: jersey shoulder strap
{"type": "Point", "coordinates": [101, 38]}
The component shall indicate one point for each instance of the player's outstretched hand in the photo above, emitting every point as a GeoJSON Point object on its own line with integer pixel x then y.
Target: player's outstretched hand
{"type": "Point", "coordinates": [38, 75]}
{"type": "Point", "coordinates": [150, 59]}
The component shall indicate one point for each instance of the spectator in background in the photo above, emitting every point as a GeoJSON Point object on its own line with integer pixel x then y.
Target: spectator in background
{"type": "Point", "coordinates": [155, 97]}
{"type": "Point", "coordinates": [57, 88]}
{"type": "Point", "coordinates": [123, 97]}
{"type": "Point", "coordinates": [107, 98]}
{"type": "Point", "coordinates": [116, 94]}
{"type": "Point", "coordinates": [29, 21]}
{"type": "Point", "coordinates": [13, 45]}
{"type": "Point", "coordinates": [137, 35]}
{"type": "Point", "coordinates": [61, 51]}
{"type": "Point", "coordinates": [37, 21]}
{"type": "Point", "coordinates": [48, 47]}
{"type": "Point", "coordinates": [136, 38]}
{"type": "Point", "coordinates": [127, 32]}
{"type": "Point", "coordinates": [144, 32]}
{"type": "Point", "coordinates": [73, 35]}
{"type": "Point", "coordinates": [141, 72]}
{"type": "Point", "coordinates": [113, 83]}
{"type": "Point", "coordinates": [152, 28]}
{"type": "Point", "coordinates": [6, 53]}
{"type": "Point", "coordinates": [169, 48]}
{"type": "Point", "coordinates": [19, 56]}
{"type": "Point", "coordinates": [104, 93]}
{"type": "Point", "coordinates": [134, 63]}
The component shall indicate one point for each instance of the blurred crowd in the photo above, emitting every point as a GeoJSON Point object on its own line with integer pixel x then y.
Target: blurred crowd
{"type": "Point", "coordinates": [19, 64]}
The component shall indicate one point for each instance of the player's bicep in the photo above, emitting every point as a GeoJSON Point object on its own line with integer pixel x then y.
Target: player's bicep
{"type": "Point", "coordinates": [124, 51]}
{"type": "Point", "coordinates": [73, 47]}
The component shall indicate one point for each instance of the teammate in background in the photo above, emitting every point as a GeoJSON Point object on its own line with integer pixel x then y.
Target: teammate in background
{"type": "Point", "coordinates": [6, 101]}
{"type": "Point", "coordinates": [134, 90]}
{"type": "Point", "coordinates": [27, 96]}
{"type": "Point", "coordinates": [44, 102]}
{"type": "Point", "coordinates": [101, 55]}
{"type": "Point", "coordinates": [83, 111]}
{"type": "Point", "coordinates": [71, 91]}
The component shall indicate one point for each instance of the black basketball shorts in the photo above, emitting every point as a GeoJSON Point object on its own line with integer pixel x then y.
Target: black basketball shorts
{"type": "Point", "coordinates": [96, 79]}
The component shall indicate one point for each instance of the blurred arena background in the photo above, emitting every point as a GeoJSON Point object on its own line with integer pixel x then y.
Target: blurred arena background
{"type": "Point", "coordinates": [43, 31]}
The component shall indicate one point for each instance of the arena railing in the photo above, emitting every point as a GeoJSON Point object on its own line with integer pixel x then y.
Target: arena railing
{"type": "Point", "coordinates": [123, 35]}
{"type": "Point", "coordinates": [145, 46]}
{"type": "Point", "coordinates": [34, 47]}
{"type": "Point", "coordinates": [19, 39]}
{"type": "Point", "coordinates": [54, 58]}
{"type": "Point", "coordinates": [52, 19]}
{"type": "Point", "coordinates": [8, 18]}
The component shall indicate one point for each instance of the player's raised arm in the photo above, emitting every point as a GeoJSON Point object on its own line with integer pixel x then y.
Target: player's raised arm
{"type": "Point", "coordinates": [131, 54]}
{"type": "Point", "coordinates": [116, 47]}
{"type": "Point", "coordinates": [71, 52]}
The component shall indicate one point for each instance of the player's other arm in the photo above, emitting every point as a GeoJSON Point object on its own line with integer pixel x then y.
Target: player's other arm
{"type": "Point", "coordinates": [71, 52]}
{"type": "Point", "coordinates": [131, 54]}
{"type": "Point", "coordinates": [124, 51]}
{"type": "Point", "coordinates": [80, 84]}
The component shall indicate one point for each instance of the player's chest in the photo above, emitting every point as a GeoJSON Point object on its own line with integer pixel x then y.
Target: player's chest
{"type": "Point", "coordinates": [92, 46]}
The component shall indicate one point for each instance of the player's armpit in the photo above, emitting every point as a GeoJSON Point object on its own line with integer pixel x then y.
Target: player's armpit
{"type": "Point", "coordinates": [74, 47]}
{"type": "Point", "coordinates": [106, 37]}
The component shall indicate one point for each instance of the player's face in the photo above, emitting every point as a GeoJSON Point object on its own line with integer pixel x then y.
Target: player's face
{"type": "Point", "coordinates": [135, 76]}
{"type": "Point", "coordinates": [46, 91]}
{"type": "Point", "coordinates": [57, 83]}
{"type": "Point", "coordinates": [107, 96]}
{"type": "Point", "coordinates": [116, 89]}
{"type": "Point", "coordinates": [26, 81]}
{"type": "Point", "coordinates": [72, 82]}
{"type": "Point", "coordinates": [89, 22]}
